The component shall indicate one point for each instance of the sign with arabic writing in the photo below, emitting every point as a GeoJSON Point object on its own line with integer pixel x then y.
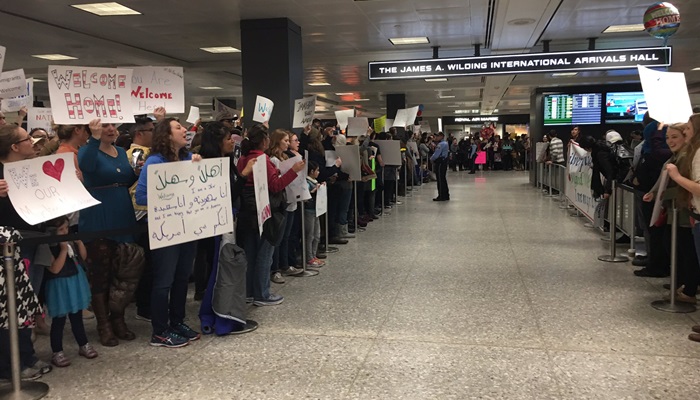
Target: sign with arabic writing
{"type": "Point", "coordinates": [188, 201]}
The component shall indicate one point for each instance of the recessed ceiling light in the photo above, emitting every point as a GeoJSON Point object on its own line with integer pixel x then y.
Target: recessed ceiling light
{"type": "Point", "coordinates": [382, 108]}
{"type": "Point", "coordinates": [203, 104]}
{"type": "Point", "coordinates": [521, 21]}
{"type": "Point", "coordinates": [696, 69]}
{"type": "Point", "coordinates": [475, 111]}
{"type": "Point", "coordinates": [409, 40]}
{"type": "Point", "coordinates": [219, 50]}
{"type": "Point", "coordinates": [210, 87]}
{"type": "Point", "coordinates": [436, 80]}
{"type": "Point", "coordinates": [54, 57]}
{"type": "Point", "coordinates": [345, 94]}
{"type": "Point", "coordinates": [361, 99]}
{"type": "Point", "coordinates": [462, 111]}
{"type": "Point", "coordinates": [106, 9]}
{"type": "Point", "coordinates": [523, 104]}
{"type": "Point", "coordinates": [447, 97]}
{"type": "Point", "coordinates": [453, 106]}
{"type": "Point", "coordinates": [565, 74]}
{"type": "Point", "coordinates": [319, 84]}
{"type": "Point", "coordinates": [624, 28]}
{"type": "Point", "coordinates": [496, 110]}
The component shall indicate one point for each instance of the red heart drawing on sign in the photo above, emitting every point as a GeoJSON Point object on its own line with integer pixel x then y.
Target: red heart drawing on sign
{"type": "Point", "coordinates": [263, 114]}
{"type": "Point", "coordinates": [54, 170]}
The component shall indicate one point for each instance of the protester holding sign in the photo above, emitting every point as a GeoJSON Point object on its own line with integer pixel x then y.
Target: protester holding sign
{"type": "Point", "coordinates": [259, 249]}
{"type": "Point", "coordinates": [172, 265]}
{"type": "Point", "coordinates": [115, 263]}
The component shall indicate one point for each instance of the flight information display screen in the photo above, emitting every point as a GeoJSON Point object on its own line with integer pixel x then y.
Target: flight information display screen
{"type": "Point", "coordinates": [588, 108]}
{"type": "Point", "coordinates": [558, 109]}
{"type": "Point", "coordinates": [625, 107]}
{"type": "Point", "coordinates": [573, 109]}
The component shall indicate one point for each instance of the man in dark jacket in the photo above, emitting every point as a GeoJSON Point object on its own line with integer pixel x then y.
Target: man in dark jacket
{"type": "Point", "coordinates": [603, 163]}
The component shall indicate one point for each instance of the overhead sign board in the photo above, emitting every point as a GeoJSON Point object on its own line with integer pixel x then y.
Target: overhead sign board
{"type": "Point", "coordinates": [487, 119]}
{"type": "Point", "coordinates": [569, 61]}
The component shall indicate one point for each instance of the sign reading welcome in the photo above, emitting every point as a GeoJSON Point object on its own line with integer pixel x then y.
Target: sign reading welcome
{"type": "Point", "coordinates": [522, 63]}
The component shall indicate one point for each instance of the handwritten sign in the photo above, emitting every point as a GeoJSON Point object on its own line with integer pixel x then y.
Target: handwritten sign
{"type": "Point", "coordinates": [342, 116]}
{"type": "Point", "coordinates": [298, 190]}
{"type": "Point", "coordinates": [304, 111]}
{"type": "Point", "coordinates": [194, 115]}
{"type": "Point", "coordinates": [350, 156]}
{"type": "Point", "coordinates": [321, 200]}
{"type": "Point", "coordinates": [401, 119]}
{"type": "Point", "coordinates": [391, 151]}
{"type": "Point", "coordinates": [153, 87]}
{"type": "Point", "coordinates": [262, 196]}
{"type": "Point", "coordinates": [40, 118]}
{"type": "Point", "coordinates": [357, 126]}
{"type": "Point", "coordinates": [81, 94]}
{"type": "Point", "coordinates": [666, 95]}
{"type": "Point", "coordinates": [16, 103]}
{"type": "Point", "coordinates": [380, 123]}
{"type": "Point", "coordinates": [12, 84]}
{"type": "Point", "coordinates": [425, 126]}
{"type": "Point", "coordinates": [44, 188]}
{"type": "Point", "coordinates": [188, 201]}
{"type": "Point", "coordinates": [2, 57]}
{"type": "Point", "coordinates": [411, 114]}
{"type": "Point", "coordinates": [263, 109]}
{"type": "Point", "coordinates": [577, 185]}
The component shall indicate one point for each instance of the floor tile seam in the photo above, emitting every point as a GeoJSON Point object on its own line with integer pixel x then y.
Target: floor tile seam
{"type": "Point", "coordinates": [618, 353]}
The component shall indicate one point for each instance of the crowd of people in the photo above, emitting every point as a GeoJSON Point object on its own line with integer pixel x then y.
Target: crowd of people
{"type": "Point", "coordinates": [99, 277]}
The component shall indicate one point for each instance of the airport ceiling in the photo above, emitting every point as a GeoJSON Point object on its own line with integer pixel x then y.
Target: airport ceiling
{"type": "Point", "coordinates": [339, 38]}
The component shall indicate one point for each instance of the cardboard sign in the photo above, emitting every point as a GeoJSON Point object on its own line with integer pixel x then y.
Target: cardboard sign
{"type": "Point", "coordinates": [44, 188]}
{"type": "Point", "coordinates": [222, 111]}
{"type": "Point", "coordinates": [304, 111]}
{"type": "Point", "coordinates": [16, 103]}
{"type": "Point", "coordinates": [401, 119]}
{"type": "Point", "coordinates": [2, 57]}
{"type": "Point", "coordinates": [577, 185]}
{"type": "Point", "coordinates": [390, 151]}
{"type": "Point", "coordinates": [425, 126]}
{"type": "Point", "coordinates": [40, 118]}
{"type": "Point", "coordinates": [321, 200]}
{"type": "Point", "coordinates": [342, 117]}
{"type": "Point", "coordinates": [81, 94]}
{"type": "Point", "coordinates": [263, 109]}
{"type": "Point", "coordinates": [12, 84]}
{"type": "Point", "coordinates": [194, 115]}
{"type": "Point", "coordinates": [262, 196]}
{"type": "Point", "coordinates": [379, 124]}
{"type": "Point", "coordinates": [357, 126]}
{"type": "Point", "coordinates": [350, 156]}
{"type": "Point", "coordinates": [666, 95]}
{"type": "Point", "coordinates": [188, 201]}
{"type": "Point", "coordinates": [298, 190]}
{"type": "Point", "coordinates": [153, 87]}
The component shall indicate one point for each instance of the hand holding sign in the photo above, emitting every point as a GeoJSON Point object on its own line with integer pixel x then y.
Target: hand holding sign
{"type": "Point", "coordinates": [96, 128]}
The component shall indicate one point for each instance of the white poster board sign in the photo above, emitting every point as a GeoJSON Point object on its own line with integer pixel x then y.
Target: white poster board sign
{"type": "Point", "coordinates": [666, 95]}
{"type": "Point", "coordinates": [12, 84]}
{"type": "Point", "coordinates": [658, 199]}
{"type": "Point", "coordinates": [425, 126]}
{"type": "Point", "coordinates": [401, 119]}
{"type": "Point", "coordinates": [193, 115]}
{"type": "Point", "coordinates": [540, 151]}
{"type": "Point", "coordinates": [577, 183]}
{"type": "Point", "coordinates": [263, 109]}
{"type": "Point", "coordinates": [343, 116]}
{"type": "Point", "coordinates": [44, 188]}
{"type": "Point", "coordinates": [321, 200]}
{"type": "Point", "coordinates": [304, 111]}
{"type": "Point", "coordinates": [2, 57]}
{"type": "Point", "coordinates": [350, 156]}
{"type": "Point", "coordinates": [40, 118]}
{"type": "Point", "coordinates": [153, 87]}
{"type": "Point", "coordinates": [81, 94]}
{"type": "Point", "coordinates": [262, 196]}
{"type": "Point", "coordinates": [330, 158]}
{"type": "Point", "coordinates": [411, 115]}
{"type": "Point", "coordinates": [389, 124]}
{"type": "Point", "coordinates": [16, 103]}
{"type": "Point", "coordinates": [357, 126]}
{"type": "Point", "coordinates": [390, 151]}
{"type": "Point", "coordinates": [188, 201]}
{"type": "Point", "coordinates": [298, 190]}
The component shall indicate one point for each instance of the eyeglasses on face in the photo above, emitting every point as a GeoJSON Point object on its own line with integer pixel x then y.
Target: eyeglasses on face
{"type": "Point", "coordinates": [23, 140]}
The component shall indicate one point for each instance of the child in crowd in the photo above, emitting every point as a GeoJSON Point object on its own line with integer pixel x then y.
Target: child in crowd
{"type": "Point", "coordinates": [312, 226]}
{"type": "Point", "coordinates": [67, 294]}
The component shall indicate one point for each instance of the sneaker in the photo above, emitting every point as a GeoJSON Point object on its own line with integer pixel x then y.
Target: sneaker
{"type": "Point", "coordinates": [249, 326]}
{"type": "Point", "coordinates": [87, 351]}
{"type": "Point", "coordinates": [249, 300]}
{"type": "Point", "coordinates": [141, 317]}
{"type": "Point", "coordinates": [30, 374]}
{"type": "Point", "coordinates": [321, 256]}
{"type": "Point", "coordinates": [60, 360]}
{"type": "Point", "coordinates": [169, 339]}
{"type": "Point", "coordinates": [292, 271]}
{"type": "Point", "coordinates": [186, 332]}
{"type": "Point", "coordinates": [273, 300]}
{"type": "Point", "coordinates": [398, 203]}
{"type": "Point", "coordinates": [315, 263]}
{"type": "Point", "coordinates": [42, 366]}
{"type": "Point", "coordinates": [277, 278]}
{"type": "Point", "coordinates": [87, 314]}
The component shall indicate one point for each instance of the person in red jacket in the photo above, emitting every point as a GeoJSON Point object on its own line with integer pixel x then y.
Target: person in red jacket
{"type": "Point", "coordinates": [259, 249]}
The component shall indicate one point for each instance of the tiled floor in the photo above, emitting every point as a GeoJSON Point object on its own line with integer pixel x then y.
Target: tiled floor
{"type": "Point", "coordinates": [497, 294]}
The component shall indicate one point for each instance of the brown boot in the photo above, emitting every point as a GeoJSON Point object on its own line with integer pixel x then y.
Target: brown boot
{"type": "Point", "coordinates": [104, 326]}
{"type": "Point", "coordinates": [120, 328]}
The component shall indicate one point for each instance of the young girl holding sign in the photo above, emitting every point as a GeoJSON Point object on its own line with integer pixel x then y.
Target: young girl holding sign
{"type": "Point", "coordinates": [67, 294]}
{"type": "Point", "coordinates": [172, 265]}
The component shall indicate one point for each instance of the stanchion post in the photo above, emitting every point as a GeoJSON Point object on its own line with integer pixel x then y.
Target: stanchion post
{"type": "Point", "coordinates": [307, 273]}
{"type": "Point", "coordinates": [612, 218]}
{"type": "Point", "coordinates": [329, 249]}
{"type": "Point", "coordinates": [632, 251]}
{"type": "Point", "coordinates": [18, 389]}
{"type": "Point", "coordinates": [357, 227]}
{"type": "Point", "coordinates": [671, 305]}
{"type": "Point", "coordinates": [550, 167]}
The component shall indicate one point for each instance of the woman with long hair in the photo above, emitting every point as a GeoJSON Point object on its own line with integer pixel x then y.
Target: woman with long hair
{"type": "Point", "coordinates": [278, 152]}
{"type": "Point", "coordinates": [259, 249]}
{"type": "Point", "coordinates": [172, 265]}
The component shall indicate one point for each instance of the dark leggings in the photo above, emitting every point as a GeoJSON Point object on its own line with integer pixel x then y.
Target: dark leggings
{"type": "Point", "coordinates": [76, 324]}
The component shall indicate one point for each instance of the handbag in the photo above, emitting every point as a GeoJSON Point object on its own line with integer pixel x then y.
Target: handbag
{"type": "Point", "coordinates": [272, 227]}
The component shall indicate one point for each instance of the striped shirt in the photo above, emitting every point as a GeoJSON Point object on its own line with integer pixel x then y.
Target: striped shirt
{"type": "Point", "coordinates": [556, 150]}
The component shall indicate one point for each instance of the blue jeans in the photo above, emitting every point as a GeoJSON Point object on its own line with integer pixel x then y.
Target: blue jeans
{"type": "Point", "coordinates": [259, 254]}
{"type": "Point", "coordinates": [172, 267]}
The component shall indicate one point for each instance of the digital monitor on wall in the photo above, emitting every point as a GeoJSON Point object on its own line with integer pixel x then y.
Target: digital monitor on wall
{"type": "Point", "coordinates": [624, 107]}
{"type": "Point", "coordinates": [572, 109]}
